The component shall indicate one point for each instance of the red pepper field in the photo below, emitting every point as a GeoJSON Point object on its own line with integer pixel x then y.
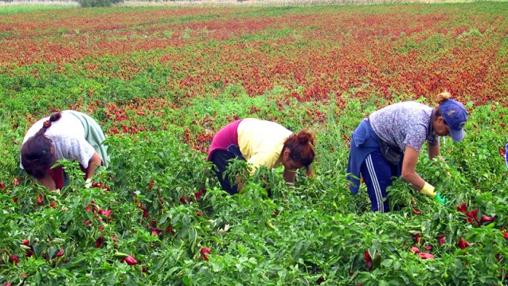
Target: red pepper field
{"type": "Point", "coordinates": [162, 80]}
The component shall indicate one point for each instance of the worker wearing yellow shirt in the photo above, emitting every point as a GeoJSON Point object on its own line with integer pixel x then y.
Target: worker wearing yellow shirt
{"type": "Point", "coordinates": [260, 143]}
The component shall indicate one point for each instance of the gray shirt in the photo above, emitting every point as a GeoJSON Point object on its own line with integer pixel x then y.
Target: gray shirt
{"type": "Point", "coordinates": [404, 124]}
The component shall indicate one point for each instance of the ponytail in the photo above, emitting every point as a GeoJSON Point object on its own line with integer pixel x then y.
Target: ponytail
{"type": "Point", "coordinates": [36, 154]}
{"type": "Point", "coordinates": [441, 98]}
{"type": "Point", "coordinates": [301, 147]}
{"type": "Point", "coordinates": [52, 118]}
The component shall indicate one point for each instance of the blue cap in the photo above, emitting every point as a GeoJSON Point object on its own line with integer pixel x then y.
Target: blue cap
{"type": "Point", "coordinates": [455, 116]}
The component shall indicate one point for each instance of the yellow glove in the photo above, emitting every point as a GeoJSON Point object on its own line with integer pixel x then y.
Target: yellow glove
{"type": "Point", "coordinates": [428, 190]}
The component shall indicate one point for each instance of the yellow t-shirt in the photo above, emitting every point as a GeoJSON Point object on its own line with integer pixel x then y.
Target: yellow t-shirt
{"type": "Point", "coordinates": [261, 142]}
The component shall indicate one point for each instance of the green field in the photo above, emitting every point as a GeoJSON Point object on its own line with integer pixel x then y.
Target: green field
{"type": "Point", "coordinates": [162, 80]}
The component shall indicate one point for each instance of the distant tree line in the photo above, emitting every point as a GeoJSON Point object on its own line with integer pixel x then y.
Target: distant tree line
{"type": "Point", "coordinates": [83, 3]}
{"type": "Point", "coordinates": [98, 3]}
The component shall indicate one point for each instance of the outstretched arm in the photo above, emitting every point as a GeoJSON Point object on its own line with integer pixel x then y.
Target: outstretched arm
{"type": "Point", "coordinates": [409, 175]}
{"type": "Point", "coordinates": [93, 164]}
{"type": "Point", "coordinates": [409, 169]}
{"type": "Point", "coordinates": [433, 151]}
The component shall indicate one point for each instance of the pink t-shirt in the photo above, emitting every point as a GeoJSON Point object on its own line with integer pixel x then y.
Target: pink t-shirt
{"type": "Point", "coordinates": [226, 137]}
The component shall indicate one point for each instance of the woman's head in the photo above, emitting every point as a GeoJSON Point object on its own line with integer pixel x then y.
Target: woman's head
{"type": "Point", "coordinates": [450, 116]}
{"type": "Point", "coordinates": [298, 151]}
{"type": "Point", "coordinates": [37, 153]}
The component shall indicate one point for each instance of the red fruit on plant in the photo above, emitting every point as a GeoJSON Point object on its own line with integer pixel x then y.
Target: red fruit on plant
{"type": "Point", "coordinates": [472, 217]}
{"type": "Point", "coordinates": [106, 213]}
{"type": "Point", "coordinates": [417, 238]}
{"type": "Point", "coordinates": [473, 213]}
{"type": "Point", "coordinates": [52, 204]}
{"type": "Point", "coordinates": [441, 239]}
{"type": "Point", "coordinates": [25, 242]}
{"type": "Point", "coordinates": [183, 200]}
{"type": "Point", "coordinates": [7, 284]}
{"type": "Point", "coordinates": [40, 200]}
{"type": "Point", "coordinates": [14, 259]}
{"type": "Point", "coordinates": [367, 259]}
{"type": "Point", "coordinates": [415, 249]}
{"type": "Point", "coordinates": [425, 255]}
{"type": "Point", "coordinates": [100, 185]}
{"type": "Point", "coordinates": [60, 253]}
{"type": "Point", "coordinates": [462, 208]}
{"type": "Point", "coordinates": [29, 253]}
{"type": "Point", "coordinates": [130, 260]}
{"type": "Point", "coordinates": [505, 235]}
{"type": "Point", "coordinates": [170, 229]}
{"type": "Point", "coordinates": [155, 231]}
{"type": "Point", "coordinates": [487, 219]}
{"type": "Point", "coordinates": [2, 186]}
{"type": "Point", "coordinates": [417, 211]}
{"type": "Point", "coordinates": [428, 247]}
{"type": "Point", "coordinates": [462, 244]}
{"type": "Point", "coordinates": [99, 242]}
{"type": "Point", "coordinates": [199, 194]}
{"type": "Point", "coordinates": [205, 251]}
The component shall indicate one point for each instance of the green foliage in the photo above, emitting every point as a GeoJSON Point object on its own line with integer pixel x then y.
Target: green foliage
{"type": "Point", "coordinates": [159, 200]}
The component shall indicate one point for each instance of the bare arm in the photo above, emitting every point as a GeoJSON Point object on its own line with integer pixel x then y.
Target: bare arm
{"type": "Point", "coordinates": [310, 172]}
{"type": "Point", "coordinates": [48, 182]}
{"type": "Point", "coordinates": [434, 151]}
{"type": "Point", "coordinates": [93, 164]}
{"type": "Point", "coordinates": [409, 169]}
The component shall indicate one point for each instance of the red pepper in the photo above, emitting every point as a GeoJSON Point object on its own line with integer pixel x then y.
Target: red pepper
{"type": "Point", "coordinates": [99, 242]}
{"type": "Point", "coordinates": [367, 258]}
{"type": "Point", "coordinates": [487, 219]}
{"type": "Point", "coordinates": [462, 208]}
{"type": "Point", "coordinates": [205, 251]}
{"type": "Point", "coordinates": [462, 244]}
{"type": "Point", "coordinates": [14, 259]}
{"type": "Point", "coordinates": [425, 255]}
{"type": "Point", "coordinates": [130, 260]}
{"type": "Point", "coordinates": [441, 239]}
{"type": "Point", "coordinates": [60, 253]}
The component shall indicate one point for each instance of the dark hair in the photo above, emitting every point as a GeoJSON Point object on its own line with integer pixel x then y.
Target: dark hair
{"type": "Point", "coordinates": [36, 155]}
{"type": "Point", "coordinates": [301, 147]}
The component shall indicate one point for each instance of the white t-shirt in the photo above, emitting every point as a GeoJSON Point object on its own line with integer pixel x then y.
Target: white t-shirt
{"type": "Point", "coordinates": [68, 136]}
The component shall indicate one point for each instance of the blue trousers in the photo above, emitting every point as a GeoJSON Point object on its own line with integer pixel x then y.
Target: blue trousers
{"type": "Point", "coordinates": [221, 160]}
{"type": "Point", "coordinates": [378, 176]}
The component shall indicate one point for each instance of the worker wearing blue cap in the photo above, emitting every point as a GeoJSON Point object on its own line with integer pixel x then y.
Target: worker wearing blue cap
{"type": "Point", "coordinates": [387, 144]}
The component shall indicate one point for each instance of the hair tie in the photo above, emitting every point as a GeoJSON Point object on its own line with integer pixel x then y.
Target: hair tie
{"type": "Point", "coordinates": [46, 124]}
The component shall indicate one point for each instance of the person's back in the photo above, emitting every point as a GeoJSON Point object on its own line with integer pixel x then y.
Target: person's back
{"type": "Point", "coordinates": [402, 124]}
